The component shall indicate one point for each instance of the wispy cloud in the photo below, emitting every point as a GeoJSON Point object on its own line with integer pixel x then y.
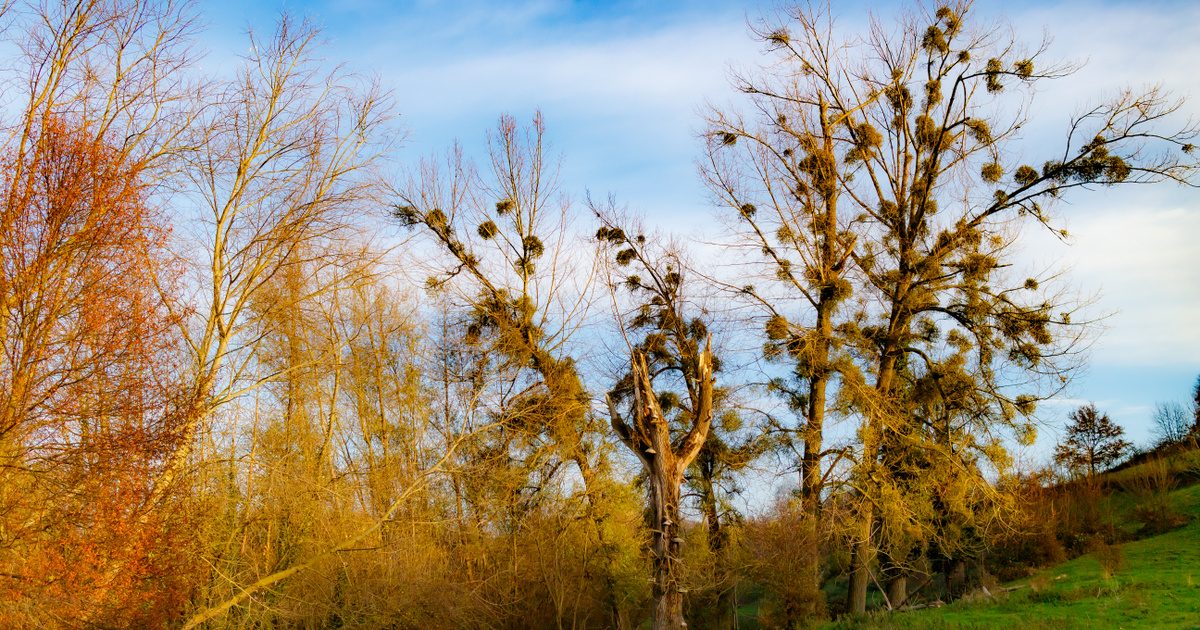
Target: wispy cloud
{"type": "Point", "coordinates": [621, 85]}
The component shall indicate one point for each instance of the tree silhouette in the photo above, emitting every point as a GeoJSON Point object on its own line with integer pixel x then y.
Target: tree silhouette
{"type": "Point", "coordinates": [1196, 405]}
{"type": "Point", "coordinates": [1172, 423]}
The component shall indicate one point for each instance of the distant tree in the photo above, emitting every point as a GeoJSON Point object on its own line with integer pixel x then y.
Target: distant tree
{"type": "Point", "coordinates": [1093, 441]}
{"type": "Point", "coordinates": [1196, 405]}
{"type": "Point", "coordinates": [1172, 423]}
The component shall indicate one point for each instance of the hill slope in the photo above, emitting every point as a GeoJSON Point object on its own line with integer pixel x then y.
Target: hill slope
{"type": "Point", "coordinates": [1157, 585]}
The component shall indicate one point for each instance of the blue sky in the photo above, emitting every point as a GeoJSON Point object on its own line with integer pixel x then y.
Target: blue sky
{"type": "Point", "coordinates": [622, 84]}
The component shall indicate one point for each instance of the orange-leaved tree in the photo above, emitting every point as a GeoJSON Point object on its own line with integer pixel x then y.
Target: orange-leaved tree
{"type": "Point", "coordinates": [86, 396]}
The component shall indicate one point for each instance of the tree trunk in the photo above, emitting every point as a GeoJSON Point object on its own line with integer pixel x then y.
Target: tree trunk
{"type": "Point", "coordinates": [664, 504]}
{"type": "Point", "coordinates": [717, 544]}
{"type": "Point", "coordinates": [897, 590]}
{"type": "Point", "coordinates": [856, 594]}
{"type": "Point", "coordinates": [894, 571]}
{"type": "Point", "coordinates": [665, 462]}
{"type": "Point", "coordinates": [811, 475]}
{"type": "Point", "coordinates": [956, 577]}
{"type": "Point", "coordinates": [863, 551]}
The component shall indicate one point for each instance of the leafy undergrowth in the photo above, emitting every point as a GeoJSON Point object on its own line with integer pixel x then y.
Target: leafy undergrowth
{"type": "Point", "coordinates": [1156, 586]}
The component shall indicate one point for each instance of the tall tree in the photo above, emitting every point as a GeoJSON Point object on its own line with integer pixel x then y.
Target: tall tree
{"type": "Point", "coordinates": [922, 135]}
{"type": "Point", "coordinates": [781, 183]}
{"type": "Point", "coordinates": [280, 164]}
{"type": "Point", "coordinates": [506, 234]}
{"type": "Point", "coordinates": [662, 409]}
{"type": "Point", "coordinates": [282, 160]}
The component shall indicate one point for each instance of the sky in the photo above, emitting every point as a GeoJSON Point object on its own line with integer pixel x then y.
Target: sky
{"type": "Point", "coordinates": [623, 86]}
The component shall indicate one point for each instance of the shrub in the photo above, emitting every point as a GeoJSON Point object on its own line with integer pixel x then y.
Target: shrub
{"type": "Point", "coordinates": [1150, 487]}
{"type": "Point", "coordinates": [1109, 556]}
{"type": "Point", "coordinates": [1083, 517]}
{"type": "Point", "coordinates": [1033, 541]}
{"type": "Point", "coordinates": [772, 549]}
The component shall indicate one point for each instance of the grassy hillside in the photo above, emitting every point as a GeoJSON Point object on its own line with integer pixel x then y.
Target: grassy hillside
{"type": "Point", "coordinates": [1155, 584]}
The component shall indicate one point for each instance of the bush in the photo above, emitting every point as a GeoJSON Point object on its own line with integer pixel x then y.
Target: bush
{"type": "Point", "coordinates": [1033, 542]}
{"type": "Point", "coordinates": [1150, 486]}
{"type": "Point", "coordinates": [1109, 556]}
{"type": "Point", "coordinates": [1083, 517]}
{"type": "Point", "coordinates": [772, 549]}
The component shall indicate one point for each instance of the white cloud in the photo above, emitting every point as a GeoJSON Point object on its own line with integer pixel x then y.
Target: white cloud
{"type": "Point", "coordinates": [623, 107]}
{"type": "Point", "coordinates": [1142, 263]}
{"type": "Point", "coordinates": [1135, 247]}
{"type": "Point", "coordinates": [622, 95]}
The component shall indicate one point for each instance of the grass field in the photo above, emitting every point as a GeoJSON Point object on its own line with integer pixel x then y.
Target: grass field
{"type": "Point", "coordinates": [1157, 585]}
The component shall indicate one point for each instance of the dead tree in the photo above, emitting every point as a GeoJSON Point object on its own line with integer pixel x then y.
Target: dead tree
{"type": "Point", "coordinates": [669, 391]}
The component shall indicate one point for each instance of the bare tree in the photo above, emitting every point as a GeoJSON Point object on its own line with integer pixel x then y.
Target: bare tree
{"type": "Point", "coordinates": [506, 234]}
{"type": "Point", "coordinates": [282, 160]}
{"type": "Point", "coordinates": [1173, 423]}
{"type": "Point", "coordinates": [787, 208]}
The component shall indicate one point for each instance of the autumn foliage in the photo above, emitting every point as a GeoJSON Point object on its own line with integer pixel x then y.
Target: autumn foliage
{"type": "Point", "coordinates": [226, 401]}
{"type": "Point", "coordinates": [88, 407]}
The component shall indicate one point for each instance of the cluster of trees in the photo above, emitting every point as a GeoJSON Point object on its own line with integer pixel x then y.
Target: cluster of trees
{"type": "Point", "coordinates": [225, 402]}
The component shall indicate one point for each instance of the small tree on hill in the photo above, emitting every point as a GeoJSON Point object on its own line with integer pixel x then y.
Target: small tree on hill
{"type": "Point", "coordinates": [1172, 423]}
{"type": "Point", "coordinates": [1093, 441]}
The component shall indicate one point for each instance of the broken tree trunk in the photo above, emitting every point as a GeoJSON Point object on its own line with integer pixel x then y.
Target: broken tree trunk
{"type": "Point", "coordinates": [648, 435]}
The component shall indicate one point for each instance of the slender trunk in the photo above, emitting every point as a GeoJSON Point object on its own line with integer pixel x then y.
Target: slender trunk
{"type": "Point", "coordinates": [810, 467]}
{"type": "Point", "coordinates": [808, 574]}
{"type": "Point", "coordinates": [819, 363]}
{"type": "Point", "coordinates": [897, 589]}
{"type": "Point", "coordinates": [717, 544]}
{"type": "Point", "coordinates": [863, 551]}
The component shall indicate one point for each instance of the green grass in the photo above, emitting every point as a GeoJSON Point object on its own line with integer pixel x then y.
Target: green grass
{"type": "Point", "coordinates": [1158, 586]}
